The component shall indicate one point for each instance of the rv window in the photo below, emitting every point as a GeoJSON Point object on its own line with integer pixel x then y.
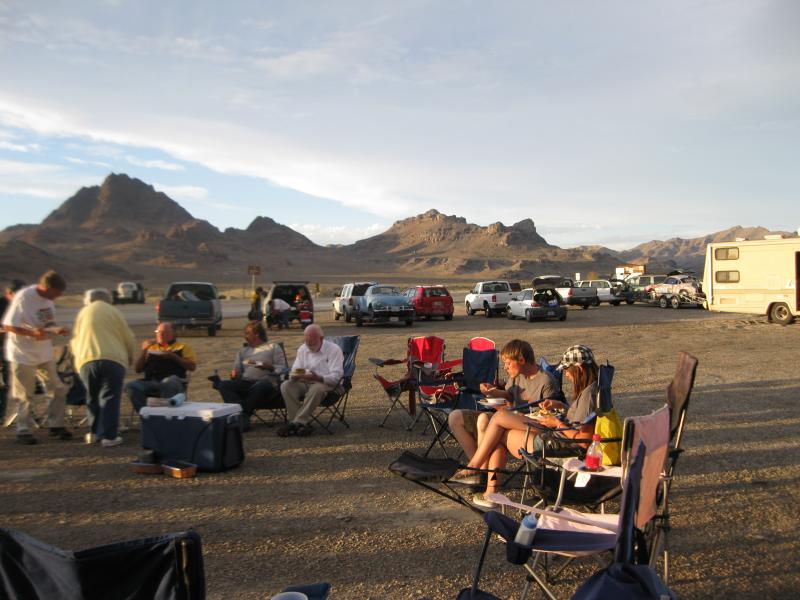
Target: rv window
{"type": "Point", "coordinates": [726, 254]}
{"type": "Point", "coordinates": [726, 276]}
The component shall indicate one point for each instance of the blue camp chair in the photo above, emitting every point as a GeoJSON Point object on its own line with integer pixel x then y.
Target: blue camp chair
{"type": "Point", "coordinates": [334, 404]}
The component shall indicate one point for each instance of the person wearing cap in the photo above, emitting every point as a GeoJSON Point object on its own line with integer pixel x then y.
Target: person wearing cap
{"type": "Point", "coordinates": [527, 383]}
{"type": "Point", "coordinates": [30, 323]}
{"type": "Point", "coordinates": [508, 431]}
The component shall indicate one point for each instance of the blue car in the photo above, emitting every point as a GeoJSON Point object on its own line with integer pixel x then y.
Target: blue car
{"type": "Point", "coordinates": [384, 304]}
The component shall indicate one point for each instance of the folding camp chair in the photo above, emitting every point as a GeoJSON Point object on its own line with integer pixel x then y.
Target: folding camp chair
{"type": "Point", "coordinates": [569, 534]}
{"type": "Point", "coordinates": [335, 402]}
{"type": "Point", "coordinates": [678, 393]}
{"type": "Point", "coordinates": [547, 481]}
{"type": "Point", "coordinates": [168, 567]}
{"type": "Point", "coordinates": [420, 350]}
{"type": "Point", "coordinates": [273, 403]}
{"type": "Point", "coordinates": [477, 366]}
{"type": "Point", "coordinates": [481, 343]}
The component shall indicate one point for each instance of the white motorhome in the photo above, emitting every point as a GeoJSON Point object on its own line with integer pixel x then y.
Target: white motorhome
{"type": "Point", "coordinates": [754, 276]}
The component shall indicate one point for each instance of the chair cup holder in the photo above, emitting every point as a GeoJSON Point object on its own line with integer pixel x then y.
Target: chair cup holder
{"type": "Point", "coordinates": [517, 554]}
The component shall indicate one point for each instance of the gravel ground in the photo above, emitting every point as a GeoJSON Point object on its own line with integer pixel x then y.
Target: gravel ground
{"type": "Point", "coordinates": [325, 508]}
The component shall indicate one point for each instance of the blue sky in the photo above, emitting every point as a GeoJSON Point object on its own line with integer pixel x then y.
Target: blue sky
{"type": "Point", "coordinates": [607, 123]}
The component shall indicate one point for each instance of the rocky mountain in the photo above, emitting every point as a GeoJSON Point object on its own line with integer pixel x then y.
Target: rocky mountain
{"type": "Point", "coordinates": [125, 229]}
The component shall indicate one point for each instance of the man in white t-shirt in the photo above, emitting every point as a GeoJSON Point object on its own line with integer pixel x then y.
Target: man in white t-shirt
{"type": "Point", "coordinates": [30, 323]}
{"type": "Point", "coordinates": [316, 371]}
{"type": "Point", "coordinates": [280, 311]}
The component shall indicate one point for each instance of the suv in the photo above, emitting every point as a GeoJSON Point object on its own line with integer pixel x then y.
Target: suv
{"type": "Point", "coordinates": [297, 295]}
{"type": "Point", "coordinates": [431, 301]}
{"type": "Point", "coordinates": [346, 302]}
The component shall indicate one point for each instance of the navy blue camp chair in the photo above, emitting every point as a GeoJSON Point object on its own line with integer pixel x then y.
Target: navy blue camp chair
{"type": "Point", "coordinates": [333, 406]}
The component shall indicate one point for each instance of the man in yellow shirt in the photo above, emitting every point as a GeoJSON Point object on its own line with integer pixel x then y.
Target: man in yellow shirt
{"type": "Point", "coordinates": [164, 362]}
{"type": "Point", "coordinates": [102, 348]}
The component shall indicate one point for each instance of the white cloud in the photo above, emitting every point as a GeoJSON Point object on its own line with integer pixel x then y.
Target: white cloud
{"type": "Point", "coordinates": [182, 192]}
{"type": "Point", "coordinates": [27, 169]}
{"type": "Point", "coordinates": [92, 163]}
{"type": "Point", "coordinates": [326, 235]}
{"type": "Point", "coordinates": [19, 147]}
{"type": "Point", "coordinates": [154, 164]}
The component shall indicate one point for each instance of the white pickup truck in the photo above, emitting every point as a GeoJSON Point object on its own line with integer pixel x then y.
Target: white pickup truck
{"type": "Point", "coordinates": [491, 297]}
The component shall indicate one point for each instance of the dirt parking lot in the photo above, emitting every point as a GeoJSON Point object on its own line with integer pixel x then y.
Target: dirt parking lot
{"type": "Point", "coordinates": [325, 508]}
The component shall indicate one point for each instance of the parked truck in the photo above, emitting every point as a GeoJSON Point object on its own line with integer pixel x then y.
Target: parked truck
{"type": "Point", "coordinates": [491, 297]}
{"type": "Point", "coordinates": [569, 292]}
{"type": "Point", "coordinates": [754, 276]}
{"type": "Point", "coordinates": [191, 304]}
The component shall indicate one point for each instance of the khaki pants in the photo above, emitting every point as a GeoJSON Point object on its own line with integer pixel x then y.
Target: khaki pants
{"type": "Point", "coordinates": [23, 387]}
{"type": "Point", "coordinates": [302, 399]}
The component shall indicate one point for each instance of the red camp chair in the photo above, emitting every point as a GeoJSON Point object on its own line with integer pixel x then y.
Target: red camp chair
{"type": "Point", "coordinates": [423, 355]}
{"type": "Point", "coordinates": [481, 343]}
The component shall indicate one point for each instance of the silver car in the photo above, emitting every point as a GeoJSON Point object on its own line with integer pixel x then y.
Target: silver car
{"type": "Point", "coordinates": [541, 303]}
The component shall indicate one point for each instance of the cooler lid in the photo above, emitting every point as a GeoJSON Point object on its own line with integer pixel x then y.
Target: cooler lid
{"type": "Point", "coordinates": [203, 410]}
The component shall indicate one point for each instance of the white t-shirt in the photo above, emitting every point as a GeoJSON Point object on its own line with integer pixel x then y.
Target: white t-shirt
{"type": "Point", "coordinates": [280, 305]}
{"type": "Point", "coordinates": [29, 310]}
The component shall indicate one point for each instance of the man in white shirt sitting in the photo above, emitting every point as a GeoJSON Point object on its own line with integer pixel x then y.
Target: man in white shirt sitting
{"type": "Point", "coordinates": [316, 371]}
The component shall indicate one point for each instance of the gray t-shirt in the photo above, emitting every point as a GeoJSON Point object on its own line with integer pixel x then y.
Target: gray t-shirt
{"type": "Point", "coordinates": [582, 406]}
{"type": "Point", "coordinates": [541, 386]}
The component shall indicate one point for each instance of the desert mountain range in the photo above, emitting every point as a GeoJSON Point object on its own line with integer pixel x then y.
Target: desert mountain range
{"type": "Point", "coordinates": [124, 229]}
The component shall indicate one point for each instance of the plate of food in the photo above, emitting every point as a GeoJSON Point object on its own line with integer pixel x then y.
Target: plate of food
{"type": "Point", "coordinates": [493, 401]}
{"type": "Point", "coordinates": [297, 372]}
{"type": "Point", "coordinates": [157, 352]}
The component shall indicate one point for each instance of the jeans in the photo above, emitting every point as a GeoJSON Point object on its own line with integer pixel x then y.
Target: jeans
{"type": "Point", "coordinates": [138, 391]}
{"type": "Point", "coordinates": [250, 394]}
{"type": "Point", "coordinates": [103, 380]}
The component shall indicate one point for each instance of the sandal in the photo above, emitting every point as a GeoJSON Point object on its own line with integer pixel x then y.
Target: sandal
{"type": "Point", "coordinates": [466, 477]}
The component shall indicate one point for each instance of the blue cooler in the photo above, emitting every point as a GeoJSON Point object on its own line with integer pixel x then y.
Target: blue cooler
{"type": "Point", "coordinates": [208, 434]}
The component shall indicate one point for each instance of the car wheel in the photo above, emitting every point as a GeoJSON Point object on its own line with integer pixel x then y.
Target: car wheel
{"type": "Point", "coordinates": [470, 310]}
{"type": "Point", "coordinates": [336, 315]}
{"type": "Point", "coordinates": [347, 317]}
{"type": "Point", "coordinates": [448, 317]}
{"type": "Point", "coordinates": [529, 316]}
{"type": "Point", "coordinates": [509, 314]}
{"type": "Point", "coordinates": [617, 303]}
{"type": "Point", "coordinates": [359, 320]}
{"type": "Point", "coordinates": [629, 302]}
{"type": "Point", "coordinates": [780, 313]}
{"type": "Point", "coordinates": [596, 302]}
{"type": "Point", "coordinates": [563, 317]}
{"type": "Point", "coordinates": [663, 302]}
{"type": "Point", "coordinates": [212, 330]}
{"type": "Point", "coordinates": [585, 306]}
{"type": "Point", "coordinates": [409, 322]}
{"type": "Point", "coordinates": [675, 302]}
{"type": "Point", "coordinates": [487, 312]}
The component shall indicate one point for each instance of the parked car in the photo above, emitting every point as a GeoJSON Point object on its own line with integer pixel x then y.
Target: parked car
{"type": "Point", "coordinates": [128, 292]}
{"type": "Point", "coordinates": [491, 297]}
{"type": "Point", "coordinates": [191, 304]}
{"type": "Point", "coordinates": [540, 303]}
{"type": "Point", "coordinates": [297, 295]}
{"type": "Point", "coordinates": [606, 292]}
{"type": "Point", "coordinates": [431, 301]}
{"type": "Point", "coordinates": [638, 285]}
{"type": "Point", "coordinates": [344, 304]}
{"type": "Point", "coordinates": [383, 304]}
{"type": "Point", "coordinates": [566, 288]}
{"type": "Point", "coordinates": [679, 289]}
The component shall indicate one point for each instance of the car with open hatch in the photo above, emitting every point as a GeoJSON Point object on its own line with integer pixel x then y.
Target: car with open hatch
{"type": "Point", "coordinates": [383, 304]}
{"type": "Point", "coordinates": [431, 301]}
{"type": "Point", "coordinates": [537, 303]}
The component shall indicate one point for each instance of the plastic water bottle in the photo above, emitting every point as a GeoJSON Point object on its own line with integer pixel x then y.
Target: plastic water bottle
{"type": "Point", "coordinates": [526, 531]}
{"type": "Point", "coordinates": [177, 399]}
{"type": "Point", "coordinates": [594, 455]}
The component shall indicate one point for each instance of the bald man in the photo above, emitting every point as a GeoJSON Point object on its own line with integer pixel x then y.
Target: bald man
{"type": "Point", "coordinates": [317, 369]}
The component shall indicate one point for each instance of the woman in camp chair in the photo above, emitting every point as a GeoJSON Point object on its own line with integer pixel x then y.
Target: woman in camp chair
{"type": "Point", "coordinates": [509, 431]}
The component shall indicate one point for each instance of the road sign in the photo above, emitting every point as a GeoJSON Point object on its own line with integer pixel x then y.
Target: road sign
{"type": "Point", "coordinates": [253, 270]}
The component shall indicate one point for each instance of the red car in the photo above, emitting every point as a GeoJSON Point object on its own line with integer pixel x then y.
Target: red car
{"type": "Point", "coordinates": [431, 301]}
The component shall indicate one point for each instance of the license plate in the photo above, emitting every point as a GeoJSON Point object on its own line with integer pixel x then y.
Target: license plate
{"type": "Point", "coordinates": [394, 319]}
{"type": "Point", "coordinates": [395, 309]}
{"type": "Point", "coordinates": [437, 304]}
{"type": "Point", "coordinates": [551, 313]}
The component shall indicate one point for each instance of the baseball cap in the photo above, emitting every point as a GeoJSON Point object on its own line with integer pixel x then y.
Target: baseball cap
{"type": "Point", "coordinates": [577, 355]}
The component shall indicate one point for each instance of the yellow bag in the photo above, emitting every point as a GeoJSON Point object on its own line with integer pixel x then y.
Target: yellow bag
{"type": "Point", "coordinates": [609, 425]}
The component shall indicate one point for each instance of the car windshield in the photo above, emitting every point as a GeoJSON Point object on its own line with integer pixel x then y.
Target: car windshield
{"type": "Point", "coordinates": [384, 290]}
{"type": "Point", "coordinates": [436, 292]}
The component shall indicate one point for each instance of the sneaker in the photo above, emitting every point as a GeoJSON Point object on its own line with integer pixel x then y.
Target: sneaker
{"type": "Point", "coordinates": [304, 430]}
{"type": "Point", "coordinates": [287, 429]}
{"type": "Point", "coordinates": [25, 439]}
{"type": "Point", "coordinates": [90, 438]}
{"type": "Point", "coordinates": [111, 443]}
{"type": "Point", "coordinates": [481, 501]}
{"type": "Point", "coordinates": [215, 381]}
{"type": "Point", "coordinates": [61, 433]}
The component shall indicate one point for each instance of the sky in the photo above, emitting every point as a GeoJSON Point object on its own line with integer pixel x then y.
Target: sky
{"type": "Point", "coordinates": [609, 123]}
